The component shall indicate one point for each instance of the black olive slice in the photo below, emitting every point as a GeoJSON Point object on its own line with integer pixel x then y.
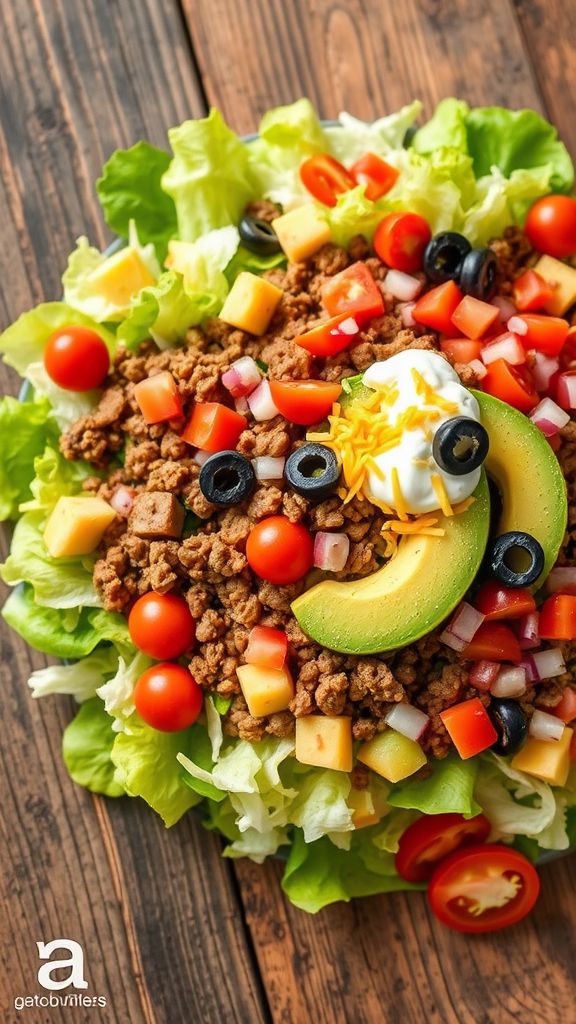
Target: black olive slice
{"type": "Point", "coordinates": [460, 445]}
{"type": "Point", "coordinates": [510, 723]}
{"type": "Point", "coordinates": [312, 471]}
{"type": "Point", "coordinates": [227, 478]}
{"type": "Point", "coordinates": [259, 236]}
{"type": "Point", "coordinates": [478, 273]}
{"type": "Point", "coordinates": [516, 559]}
{"type": "Point", "coordinates": [443, 256]}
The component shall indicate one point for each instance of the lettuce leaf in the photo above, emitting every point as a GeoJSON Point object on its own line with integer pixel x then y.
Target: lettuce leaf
{"type": "Point", "coordinates": [79, 680]}
{"type": "Point", "coordinates": [449, 788]}
{"type": "Point", "coordinates": [286, 136]}
{"type": "Point", "coordinates": [49, 629]}
{"type": "Point", "coordinates": [117, 693]}
{"type": "Point", "coordinates": [24, 341]}
{"type": "Point", "coordinates": [353, 138]}
{"type": "Point", "coordinates": [66, 406]}
{"type": "Point", "coordinates": [82, 293]}
{"type": "Point", "coordinates": [54, 477]}
{"type": "Point", "coordinates": [24, 427]}
{"type": "Point", "coordinates": [520, 804]}
{"type": "Point", "coordinates": [86, 747]}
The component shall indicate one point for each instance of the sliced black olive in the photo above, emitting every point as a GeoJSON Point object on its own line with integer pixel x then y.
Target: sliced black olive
{"type": "Point", "coordinates": [227, 478]}
{"type": "Point", "coordinates": [443, 256]}
{"type": "Point", "coordinates": [478, 273]}
{"type": "Point", "coordinates": [515, 558]}
{"type": "Point", "coordinates": [510, 723]}
{"type": "Point", "coordinates": [313, 471]}
{"type": "Point", "coordinates": [258, 236]}
{"type": "Point", "coordinates": [460, 445]}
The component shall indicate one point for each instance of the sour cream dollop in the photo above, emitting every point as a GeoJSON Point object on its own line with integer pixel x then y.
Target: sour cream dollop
{"type": "Point", "coordinates": [412, 456]}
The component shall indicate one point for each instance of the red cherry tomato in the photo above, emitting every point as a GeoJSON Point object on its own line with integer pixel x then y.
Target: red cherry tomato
{"type": "Point", "coordinates": [551, 226]}
{"type": "Point", "coordinates": [325, 178]}
{"type": "Point", "coordinates": [496, 601]}
{"type": "Point", "coordinates": [167, 697]}
{"type": "Point", "coordinates": [76, 358]}
{"type": "Point", "coordinates": [267, 647]}
{"type": "Point", "coordinates": [436, 307]}
{"type": "Point", "coordinates": [304, 401]}
{"type": "Point", "coordinates": [558, 618]}
{"type": "Point", "coordinates": [510, 384]}
{"type": "Point", "coordinates": [493, 641]}
{"type": "Point", "coordinates": [328, 338]}
{"type": "Point", "coordinates": [375, 174]}
{"type": "Point", "coordinates": [400, 241]}
{"type": "Point", "coordinates": [461, 350]}
{"type": "Point", "coordinates": [280, 551]}
{"type": "Point", "coordinates": [158, 398]}
{"type": "Point", "coordinates": [214, 427]}
{"type": "Point", "coordinates": [355, 292]}
{"type": "Point", "coordinates": [431, 838]}
{"type": "Point", "coordinates": [469, 727]}
{"type": "Point", "coordinates": [161, 625]}
{"type": "Point", "coordinates": [483, 888]}
{"type": "Point", "coordinates": [531, 292]}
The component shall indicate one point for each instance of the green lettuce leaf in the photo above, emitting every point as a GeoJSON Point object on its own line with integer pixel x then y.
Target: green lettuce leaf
{"type": "Point", "coordinates": [200, 755]}
{"type": "Point", "coordinates": [79, 680]}
{"type": "Point", "coordinates": [57, 582]}
{"type": "Point", "coordinates": [24, 427]}
{"type": "Point", "coordinates": [320, 806]}
{"type": "Point", "coordinates": [118, 692]}
{"type": "Point", "coordinates": [87, 745]}
{"type": "Point", "coordinates": [501, 201]}
{"type": "Point", "coordinates": [520, 804]}
{"type": "Point", "coordinates": [66, 406]}
{"type": "Point", "coordinates": [449, 788]}
{"type": "Point", "coordinates": [49, 629]}
{"type": "Point", "coordinates": [24, 341]}
{"type": "Point", "coordinates": [286, 136]}
{"type": "Point", "coordinates": [54, 477]}
{"type": "Point", "coordinates": [353, 214]}
{"type": "Point", "coordinates": [353, 138]}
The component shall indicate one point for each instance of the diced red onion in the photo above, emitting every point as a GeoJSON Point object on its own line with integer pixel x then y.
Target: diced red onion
{"type": "Point", "coordinates": [241, 405]}
{"type": "Point", "coordinates": [331, 551]}
{"type": "Point", "coordinates": [483, 674]}
{"type": "Point", "coordinates": [466, 622]}
{"type": "Point", "coordinates": [478, 367]}
{"type": "Point", "coordinates": [505, 346]}
{"type": "Point", "coordinates": [546, 727]}
{"type": "Point", "coordinates": [563, 579]}
{"type": "Point", "coordinates": [529, 666]}
{"type": "Point", "coordinates": [549, 417]}
{"type": "Point", "coordinates": [567, 390]}
{"type": "Point", "coordinates": [402, 286]}
{"type": "Point", "coordinates": [406, 311]}
{"type": "Point", "coordinates": [506, 307]}
{"type": "Point", "coordinates": [452, 641]}
{"type": "Point", "coordinates": [349, 327]}
{"type": "Point", "coordinates": [407, 720]}
{"type": "Point", "coordinates": [266, 467]}
{"type": "Point", "coordinates": [549, 663]}
{"type": "Point", "coordinates": [510, 682]}
{"type": "Point", "coordinates": [242, 377]}
{"type": "Point", "coordinates": [528, 634]}
{"type": "Point", "coordinates": [262, 404]}
{"type": "Point", "coordinates": [200, 457]}
{"type": "Point", "coordinates": [122, 500]}
{"type": "Point", "coordinates": [543, 369]}
{"type": "Point", "coordinates": [517, 325]}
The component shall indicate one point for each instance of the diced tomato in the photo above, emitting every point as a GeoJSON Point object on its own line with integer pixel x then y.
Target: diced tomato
{"type": "Point", "coordinates": [214, 427]}
{"type": "Point", "coordinates": [498, 602]}
{"type": "Point", "coordinates": [436, 308]}
{"type": "Point", "coordinates": [511, 384]}
{"type": "Point", "coordinates": [566, 709]}
{"type": "Point", "coordinates": [493, 642]}
{"type": "Point", "coordinates": [469, 727]}
{"type": "Point", "coordinates": [461, 350]}
{"type": "Point", "coordinates": [558, 618]}
{"type": "Point", "coordinates": [355, 292]}
{"type": "Point", "coordinates": [531, 292]}
{"type": "Point", "coordinates": [304, 401]}
{"type": "Point", "coordinates": [473, 317]}
{"type": "Point", "coordinates": [554, 441]}
{"type": "Point", "coordinates": [158, 398]}
{"type": "Point", "coordinates": [400, 241]}
{"type": "Point", "coordinates": [330, 337]}
{"type": "Point", "coordinates": [561, 388]}
{"type": "Point", "coordinates": [267, 647]}
{"type": "Point", "coordinates": [325, 178]}
{"type": "Point", "coordinates": [375, 174]}
{"type": "Point", "coordinates": [431, 838]}
{"type": "Point", "coordinates": [568, 353]}
{"type": "Point", "coordinates": [546, 334]}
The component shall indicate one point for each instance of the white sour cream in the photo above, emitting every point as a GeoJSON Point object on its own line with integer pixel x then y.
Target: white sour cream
{"type": "Point", "coordinates": [412, 457]}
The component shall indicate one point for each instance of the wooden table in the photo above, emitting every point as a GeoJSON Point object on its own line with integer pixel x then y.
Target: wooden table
{"type": "Point", "coordinates": [171, 932]}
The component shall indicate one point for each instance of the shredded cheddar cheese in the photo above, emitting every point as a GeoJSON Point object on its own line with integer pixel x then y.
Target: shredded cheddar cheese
{"type": "Point", "coordinates": [440, 492]}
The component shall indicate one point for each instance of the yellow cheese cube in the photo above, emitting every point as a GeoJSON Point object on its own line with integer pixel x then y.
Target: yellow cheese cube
{"type": "Point", "coordinates": [179, 255]}
{"type": "Point", "coordinates": [392, 755]}
{"type": "Point", "coordinates": [301, 232]}
{"type": "Point", "coordinates": [266, 690]}
{"type": "Point", "coordinates": [325, 741]}
{"type": "Point", "coordinates": [250, 303]}
{"type": "Point", "coordinates": [563, 280]}
{"type": "Point", "coordinates": [548, 760]}
{"type": "Point", "coordinates": [120, 276]}
{"type": "Point", "coordinates": [363, 809]}
{"type": "Point", "coordinates": [76, 526]}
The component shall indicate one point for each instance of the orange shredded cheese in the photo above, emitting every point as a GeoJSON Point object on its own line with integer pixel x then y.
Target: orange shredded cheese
{"type": "Point", "coordinates": [399, 502]}
{"type": "Point", "coordinates": [440, 492]}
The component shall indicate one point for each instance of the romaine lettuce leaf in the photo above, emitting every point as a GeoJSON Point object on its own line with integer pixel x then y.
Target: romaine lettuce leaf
{"type": "Point", "coordinates": [54, 477]}
{"type": "Point", "coordinates": [79, 680]}
{"type": "Point", "coordinates": [86, 746]}
{"type": "Point", "coordinates": [449, 788]}
{"type": "Point", "coordinates": [286, 136]}
{"type": "Point", "coordinates": [50, 631]}
{"type": "Point", "coordinates": [24, 427]}
{"type": "Point", "coordinates": [24, 341]}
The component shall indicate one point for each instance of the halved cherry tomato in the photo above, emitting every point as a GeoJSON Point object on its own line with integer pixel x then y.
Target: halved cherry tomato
{"type": "Point", "coordinates": [330, 337]}
{"type": "Point", "coordinates": [511, 384]}
{"type": "Point", "coordinates": [214, 427]}
{"type": "Point", "coordinates": [473, 317]}
{"type": "Point", "coordinates": [558, 618]}
{"type": "Point", "coordinates": [76, 358]}
{"type": "Point", "coordinates": [496, 601]}
{"type": "Point", "coordinates": [279, 551]}
{"type": "Point", "coordinates": [436, 307]}
{"type": "Point", "coordinates": [483, 888]}
{"type": "Point", "coordinates": [353, 291]}
{"type": "Point", "coordinates": [304, 401]}
{"type": "Point", "coordinates": [431, 838]}
{"type": "Point", "coordinates": [469, 727]}
{"type": "Point", "coordinates": [267, 647]}
{"type": "Point", "coordinates": [325, 178]}
{"type": "Point", "coordinates": [400, 240]}
{"type": "Point", "coordinates": [461, 350]}
{"type": "Point", "coordinates": [375, 174]}
{"type": "Point", "coordinates": [531, 292]}
{"type": "Point", "coordinates": [493, 641]}
{"type": "Point", "coordinates": [161, 625]}
{"type": "Point", "coordinates": [546, 334]}
{"type": "Point", "coordinates": [566, 708]}
{"type": "Point", "coordinates": [167, 697]}
{"type": "Point", "coordinates": [551, 226]}
{"type": "Point", "coordinates": [158, 398]}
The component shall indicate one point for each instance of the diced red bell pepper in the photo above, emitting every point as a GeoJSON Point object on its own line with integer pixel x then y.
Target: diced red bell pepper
{"type": "Point", "coordinates": [158, 398]}
{"type": "Point", "coordinates": [436, 308]}
{"type": "Point", "coordinates": [214, 427]}
{"type": "Point", "coordinates": [330, 337]}
{"type": "Point", "coordinates": [498, 602]}
{"type": "Point", "coordinates": [511, 384]}
{"type": "Point", "coordinates": [473, 317]}
{"type": "Point", "coordinates": [375, 174]}
{"type": "Point", "coordinates": [325, 178]}
{"type": "Point", "coordinates": [493, 641]}
{"type": "Point", "coordinates": [546, 334]}
{"type": "Point", "coordinates": [461, 350]}
{"type": "Point", "coordinates": [566, 709]}
{"type": "Point", "coordinates": [558, 618]}
{"type": "Point", "coordinates": [267, 647]}
{"type": "Point", "coordinates": [353, 291]}
{"type": "Point", "coordinates": [531, 292]}
{"type": "Point", "coordinates": [469, 727]}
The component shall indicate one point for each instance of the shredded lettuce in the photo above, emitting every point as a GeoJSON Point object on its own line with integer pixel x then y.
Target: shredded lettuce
{"type": "Point", "coordinates": [79, 680]}
{"type": "Point", "coordinates": [25, 428]}
{"type": "Point", "coordinates": [86, 747]}
{"type": "Point", "coordinates": [118, 692]}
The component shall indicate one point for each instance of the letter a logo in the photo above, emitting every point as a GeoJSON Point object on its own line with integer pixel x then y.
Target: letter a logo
{"type": "Point", "coordinates": [75, 963]}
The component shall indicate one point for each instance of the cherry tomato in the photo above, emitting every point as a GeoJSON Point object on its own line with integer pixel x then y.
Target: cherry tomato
{"type": "Point", "coordinates": [76, 358]}
{"type": "Point", "coordinates": [496, 601]}
{"type": "Point", "coordinates": [431, 838]}
{"type": "Point", "coordinates": [325, 178]}
{"type": "Point", "coordinates": [158, 398]}
{"type": "Point", "coordinates": [167, 697]}
{"type": "Point", "coordinates": [280, 551]}
{"type": "Point", "coordinates": [483, 888]}
{"type": "Point", "coordinates": [401, 239]}
{"type": "Point", "coordinates": [531, 292]}
{"type": "Point", "coordinates": [353, 291]}
{"type": "Point", "coordinates": [304, 401]}
{"type": "Point", "coordinates": [329, 338]}
{"type": "Point", "coordinates": [267, 647]}
{"type": "Point", "coordinates": [473, 317]}
{"type": "Point", "coordinates": [469, 727]}
{"type": "Point", "coordinates": [558, 618]}
{"type": "Point", "coordinates": [375, 174]}
{"type": "Point", "coordinates": [461, 350]}
{"type": "Point", "coordinates": [161, 625]}
{"type": "Point", "coordinates": [511, 384]}
{"type": "Point", "coordinates": [566, 708]}
{"type": "Point", "coordinates": [436, 307]}
{"type": "Point", "coordinates": [214, 427]}
{"type": "Point", "coordinates": [551, 226]}
{"type": "Point", "coordinates": [493, 641]}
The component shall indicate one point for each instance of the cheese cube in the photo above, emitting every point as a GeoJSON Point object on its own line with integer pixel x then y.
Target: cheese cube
{"type": "Point", "coordinates": [266, 690]}
{"type": "Point", "coordinates": [548, 760]}
{"type": "Point", "coordinates": [392, 755]}
{"type": "Point", "coordinates": [250, 303]}
{"type": "Point", "coordinates": [364, 811]}
{"type": "Point", "coordinates": [301, 232]}
{"type": "Point", "coordinates": [180, 255]}
{"type": "Point", "coordinates": [76, 525]}
{"type": "Point", "coordinates": [325, 741]}
{"type": "Point", "coordinates": [120, 276]}
{"type": "Point", "coordinates": [563, 280]}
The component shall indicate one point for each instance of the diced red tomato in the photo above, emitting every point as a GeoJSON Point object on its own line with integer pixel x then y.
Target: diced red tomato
{"type": "Point", "coordinates": [375, 174]}
{"type": "Point", "coordinates": [325, 178]}
{"type": "Point", "coordinates": [493, 641]}
{"type": "Point", "coordinates": [483, 888]}
{"type": "Point", "coordinates": [558, 618]}
{"type": "Point", "coordinates": [267, 647]}
{"type": "Point", "coordinates": [469, 727]}
{"type": "Point", "coordinates": [214, 427]}
{"type": "Point", "coordinates": [560, 387]}
{"type": "Point", "coordinates": [546, 334]}
{"type": "Point", "coordinates": [330, 337]}
{"type": "Point", "coordinates": [304, 401]}
{"type": "Point", "coordinates": [436, 308]}
{"type": "Point", "coordinates": [531, 292]}
{"type": "Point", "coordinates": [461, 350]}
{"type": "Point", "coordinates": [355, 292]}
{"type": "Point", "coordinates": [473, 317]}
{"type": "Point", "coordinates": [511, 384]}
{"type": "Point", "coordinates": [566, 708]}
{"type": "Point", "coordinates": [431, 838]}
{"type": "Point", "coordinates": [568, 353]}
{"type": "Point", "coordinates": [400, 241]}
{"type": "Point", "coordinates": [158, 398]}
{"type": "Point", "coordinates": [498, 602]}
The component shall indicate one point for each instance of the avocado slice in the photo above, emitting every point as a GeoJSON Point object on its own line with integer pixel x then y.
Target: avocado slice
{"type": "Point", "coordinates": [528, 475]}
{"type": "Point", "coordinates": [408, 597]}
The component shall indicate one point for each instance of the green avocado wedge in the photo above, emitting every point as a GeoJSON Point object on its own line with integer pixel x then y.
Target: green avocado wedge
{"type": "Point", "coordinates": [408, 597]}
{"type": "Point", "coordinates": [528, 475]}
